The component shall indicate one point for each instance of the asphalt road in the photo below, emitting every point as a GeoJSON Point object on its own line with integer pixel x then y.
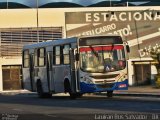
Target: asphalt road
{"type": "Point", "coordinates": [30, 107]}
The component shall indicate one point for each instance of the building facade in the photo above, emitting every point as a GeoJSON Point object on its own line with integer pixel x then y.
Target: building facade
{"type": "Point", "coordinates": [139, 26]}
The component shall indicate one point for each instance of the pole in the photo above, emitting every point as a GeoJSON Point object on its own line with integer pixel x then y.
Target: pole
{"type": "Point", "coordinates": [137, 36]}
{"type": "Point", "coordinates": [37, 2]}
{"type": "Point", "coordinates": [127, 3]}
{"type": "Point", "coordinates": [7, 4]}
{"type": "Point", "coordinates": [110, 3]}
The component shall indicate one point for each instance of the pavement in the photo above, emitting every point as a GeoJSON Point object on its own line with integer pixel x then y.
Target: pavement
{"type": "Point", "coordinates": [144, 91]}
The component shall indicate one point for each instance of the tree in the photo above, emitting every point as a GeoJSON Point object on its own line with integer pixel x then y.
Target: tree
{"type": "Point", "coordinates": [154, 52]}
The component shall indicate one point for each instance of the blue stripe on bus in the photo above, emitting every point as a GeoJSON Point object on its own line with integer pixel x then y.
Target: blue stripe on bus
{"type": "Point", "coordinates": [90, 88]}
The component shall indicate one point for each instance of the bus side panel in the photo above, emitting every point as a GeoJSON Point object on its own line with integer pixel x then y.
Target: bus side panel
{"type": "Point", "coordinates": [26, 79]}
{"type": "Point", "coordinates": [60, 73]}
{"type": "Point", "coordinates": [42, 75]}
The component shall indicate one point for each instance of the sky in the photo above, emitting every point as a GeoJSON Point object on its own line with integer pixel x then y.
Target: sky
{"type": "Point", "coordinates": [32, 3]}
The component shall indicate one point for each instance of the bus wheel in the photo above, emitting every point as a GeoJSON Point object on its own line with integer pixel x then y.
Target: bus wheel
{"type": "Point", "coordinates": [79, 94]}
{"type": "Point", "coordinates": [73, 96]}
{"type": "Point", "coordinates": [40, 89]}
{"type": "Point", "coordinates": [109, 93]}
{"type": "Point", "coordinates": [67, 88]}
{"type": "Point", "coordinates": [40, 92]}
{"type": "Point", "coordinates": [47, 95]}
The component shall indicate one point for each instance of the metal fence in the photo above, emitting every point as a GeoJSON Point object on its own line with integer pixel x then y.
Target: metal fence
{"type": "Point", "coordinates": [13, 39]}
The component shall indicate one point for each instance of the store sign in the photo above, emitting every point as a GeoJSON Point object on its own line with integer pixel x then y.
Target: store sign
{"type": "Point", "coordinates": [99, 17]}
{"type": "Point", "coordinates": [139, 28]}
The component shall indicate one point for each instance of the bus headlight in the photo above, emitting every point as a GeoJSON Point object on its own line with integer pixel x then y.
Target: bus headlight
{"type": "Point", "coordinates": [88, 80]}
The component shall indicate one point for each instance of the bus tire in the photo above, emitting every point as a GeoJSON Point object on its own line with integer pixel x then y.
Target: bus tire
{"type": "Point", "coordinates": [40, 89]}
{"type": "Point", "coordinates": [40, 92]}
{"type": "Point", "coordinates": [47, 95]}
{"type": "Point", "coordinates": [73, 96]}
{"type": "Point", "coordinates": [79, 95]}
{"type": "Point", "coordinates": [109, 94]}
{"type": "Point", "coordinates": [67, 88]}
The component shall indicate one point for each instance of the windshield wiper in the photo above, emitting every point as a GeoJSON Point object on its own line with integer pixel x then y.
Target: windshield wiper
{"type": "Point", "coordinates": [95, 53]}
{"type": "Point", "coordinates": [112, 47]}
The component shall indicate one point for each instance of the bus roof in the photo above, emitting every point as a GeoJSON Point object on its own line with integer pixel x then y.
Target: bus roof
{"type": "Point", "coordinates": [61, 41]}
{"type": "Point", "coordinates": [49, 43]}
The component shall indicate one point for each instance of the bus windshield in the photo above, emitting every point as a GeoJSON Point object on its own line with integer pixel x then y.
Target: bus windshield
{"type": "Point", "coordinates": [102, 58]}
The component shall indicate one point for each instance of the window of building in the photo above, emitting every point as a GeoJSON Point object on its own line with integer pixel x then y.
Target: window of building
{"type": "Point", "coordinates": [26, 58]}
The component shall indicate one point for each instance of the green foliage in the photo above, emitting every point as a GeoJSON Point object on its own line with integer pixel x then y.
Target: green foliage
{"type": "Point", "coordinates": [158, 81]}
{"type": "Point", "coordinates": [154, 52]}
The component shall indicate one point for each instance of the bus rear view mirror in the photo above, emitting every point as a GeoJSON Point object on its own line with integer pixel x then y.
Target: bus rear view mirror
{"type": "Point", "coordinates": [127, 48]}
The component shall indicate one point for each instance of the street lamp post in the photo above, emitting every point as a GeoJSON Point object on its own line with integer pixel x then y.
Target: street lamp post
{"type": "Point", "coordinates": [137, 36]}
{"type": "Point", "coordinates": [110, 3]}
{"type": "Point", "coordinates": [127, 3]}
{"type": "Point", "coordinates": [7, 4]}
{"type": "Point", "coordinates": [37, 4]}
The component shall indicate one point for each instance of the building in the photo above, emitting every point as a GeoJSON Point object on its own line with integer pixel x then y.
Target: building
{"type": "Point", "coordinates": [138, 25]}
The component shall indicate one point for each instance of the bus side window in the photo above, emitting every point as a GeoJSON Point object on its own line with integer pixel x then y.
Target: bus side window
{"type": "Point", "coordinates": [26, 58]}
{"type": "Point", "coordinates": [41, 56]}
{"type": "Point", "coordinates": [36, 57]}
{"type": "Point", "coordinates": [56, 55]}
{"type": "Point", "coordinates": [66, 54]}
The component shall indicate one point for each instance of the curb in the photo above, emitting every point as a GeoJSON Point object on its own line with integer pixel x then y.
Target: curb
{"type": "Point", "coordinates": [17, 92]}
{"type": "Point", "coordinates": [138, 95]}
{"type": "Point", "coordinates": [24, 92]}
{"type": "Point", "coordinates": [132, 94]}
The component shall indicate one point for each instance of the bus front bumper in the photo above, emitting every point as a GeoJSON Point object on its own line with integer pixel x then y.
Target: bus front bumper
{"type": "Point", "coordinates": [90, 88]}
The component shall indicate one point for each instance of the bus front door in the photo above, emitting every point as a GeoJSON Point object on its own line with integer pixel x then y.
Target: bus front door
{"type": "Point", "coordinates": [74, 72]}
{"type": "Point", "coordinates": [49, 72]}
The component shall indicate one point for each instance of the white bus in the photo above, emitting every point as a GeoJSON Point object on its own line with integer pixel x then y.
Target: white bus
{"type": "Point", "coordinates": [76, 66]}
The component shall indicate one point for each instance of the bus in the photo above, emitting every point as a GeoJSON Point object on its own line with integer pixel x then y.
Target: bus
{"type": "Point", "coordinates": [76, 66]}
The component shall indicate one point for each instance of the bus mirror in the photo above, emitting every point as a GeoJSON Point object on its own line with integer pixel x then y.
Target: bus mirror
{"type": "Point", "coordinates": [77, 57]}
{"type": "Point", "coordinates": [127, 48]}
